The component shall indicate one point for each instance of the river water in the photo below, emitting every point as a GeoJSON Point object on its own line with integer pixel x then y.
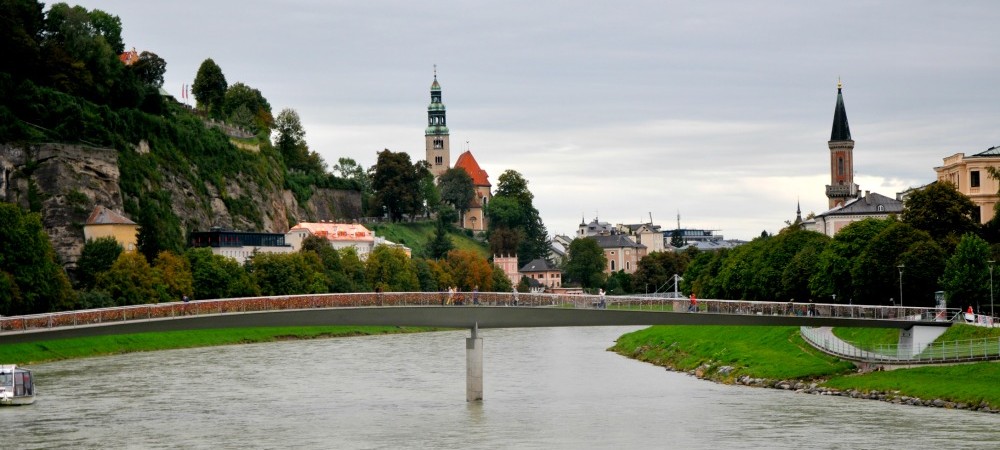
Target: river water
{"type": "Point", "coordinates": [544, 388]}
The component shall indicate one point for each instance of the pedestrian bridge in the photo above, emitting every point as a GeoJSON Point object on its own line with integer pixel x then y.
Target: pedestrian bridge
{"type": "Point", "coordinates": [462, 310]}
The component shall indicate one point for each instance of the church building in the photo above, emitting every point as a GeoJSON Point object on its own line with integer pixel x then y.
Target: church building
{"type": "Point", "coordinates": [845, 202]}
{"type": "Point", "coordinates": [439, 157]}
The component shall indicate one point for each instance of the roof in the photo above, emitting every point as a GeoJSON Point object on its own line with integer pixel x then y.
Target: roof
{"type": "Point", "coordinates": [129, 57]}
{"type": "Point", "coordinates": [468, 163]}
{"type": "Point", "coordinates": [841, 131]}
{"type": "Point", "coordinates": [105, 216]}
{"type": "Point", "coordinates": [869, 204]}
{"type": "Point", "coordinates": [336, 231]}
{"type": "Point", "coordinates": [992, 151]}
{"type": "Point", "coordinates": [538, 265]}
{"type": "Point", "coordinates": [616, 241]}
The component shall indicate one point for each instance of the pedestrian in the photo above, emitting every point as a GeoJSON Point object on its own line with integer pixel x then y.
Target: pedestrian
{"type": "Point", "coordinates": [693, 307]}
{"type": "Point", "coordinates": [378, 295]}
{"type": "Point", "coordinates": [601, 304]}
{"type": "Point", "coordinates": [514, 291]}
{"type": "Point", "coordinates": [475, 295]}
{"type": "Point", "coordinates": [451, 293]}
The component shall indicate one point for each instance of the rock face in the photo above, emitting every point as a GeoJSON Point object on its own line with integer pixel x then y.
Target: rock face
{"type": "Point", "coordinates": [65, 182]}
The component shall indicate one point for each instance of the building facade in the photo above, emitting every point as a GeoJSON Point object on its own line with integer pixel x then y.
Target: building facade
{"type": "Point", "coordinates": [240, 245]}
{"type": "Point", "coordinates": [436, 135]}
{"type": "Point", "coordinates": [841, 188]}
{"type": "Point", "coordinates": [544, 272]}
{"type": "Point", "coordinates": [621, 252]}
{"type": "Point", "coordinates": [971, 177]}
{"type": "Point", "coordinates": [340, 235]}
{"type": "Point", "coordinates": [104, 222]}
{"type": "Point", "coordinates": [475, 216]}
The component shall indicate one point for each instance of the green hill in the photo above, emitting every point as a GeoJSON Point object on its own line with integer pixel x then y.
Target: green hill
{"type": "Point", "coordinates": [417, 235]}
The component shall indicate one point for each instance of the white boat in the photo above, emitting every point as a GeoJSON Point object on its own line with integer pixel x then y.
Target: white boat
{"type": "Point", "coordinates": [16, 386]}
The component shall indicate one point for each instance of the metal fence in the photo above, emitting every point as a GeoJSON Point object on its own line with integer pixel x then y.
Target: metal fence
{"type": "Point", "coordinates": [418, 299]}
{"type": "Point", "coordinates": [933, 352]}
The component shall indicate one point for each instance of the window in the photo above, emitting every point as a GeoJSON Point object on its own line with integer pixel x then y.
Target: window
{"type": "Point", "coordinates": [974, 178]}
{"type": "Point", "coordinates": [840, 166]}
{"type": "Point", "coordinates": [438, 160]}
{"type": "Point", "coordinates": [880, 208]}
{"type": "Point", "coordinates": [612, 265]}
{"type": "Point", "coordinates": [439, 143]}
{"type": "Point", "coordinates": [628, 266]}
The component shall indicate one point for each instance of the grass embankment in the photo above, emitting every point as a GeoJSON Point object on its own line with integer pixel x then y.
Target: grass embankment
{"type": "Point", "coordinates": [779, 353]}
{"type": "Point", "coordinates": [59, 349]}
{"type": "Point", "coordinates": [417, 235]}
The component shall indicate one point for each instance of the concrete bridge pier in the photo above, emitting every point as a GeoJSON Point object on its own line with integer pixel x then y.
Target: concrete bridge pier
{"type": "Point", "coordinates": [474, 366]}
{"type": "Point", "coordinates": [915, 339]}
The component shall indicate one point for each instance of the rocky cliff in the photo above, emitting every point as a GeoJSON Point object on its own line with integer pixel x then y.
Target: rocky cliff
{"type": "Point", "coordinates": [65, 182]}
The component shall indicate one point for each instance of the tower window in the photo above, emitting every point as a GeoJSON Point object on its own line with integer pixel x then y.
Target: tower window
{"type": "Point", "coordinates": [974, 178]}
{"type": "Point", "coordinates": [840, 167]}
{"type": "Point", "coordinates": [438, 160]}
{"type": "Point", "coordinates": [439, 143]}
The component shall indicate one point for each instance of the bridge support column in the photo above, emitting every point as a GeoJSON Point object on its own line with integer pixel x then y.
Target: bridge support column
{"type": "Point", "coordinates": [914, 340]}
{"type": "Point", "coordinates": [474, 366]}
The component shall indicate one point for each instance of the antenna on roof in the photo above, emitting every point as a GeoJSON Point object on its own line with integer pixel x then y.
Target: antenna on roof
{"type": "Point", "coordinates": [678, 219]}
{"type": "Point", "coordinates": [435, 71]}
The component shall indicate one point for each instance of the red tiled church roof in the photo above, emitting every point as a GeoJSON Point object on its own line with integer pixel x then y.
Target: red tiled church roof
{"type": "Point", "coordinates": [468, 163]}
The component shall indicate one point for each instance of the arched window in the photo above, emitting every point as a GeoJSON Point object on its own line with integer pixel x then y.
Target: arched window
{"type": "Point", "coordinates": [840, 166]}
{"type": "Point", "coordinates": [880, 208]}
{"type": "Point", "coordinates": [612, 265]}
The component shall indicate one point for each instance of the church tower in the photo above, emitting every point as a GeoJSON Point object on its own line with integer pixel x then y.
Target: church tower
{"type": "Point", "coordinates": [436, 135]}
{"type": "Point", "coordinates": [841, 188]}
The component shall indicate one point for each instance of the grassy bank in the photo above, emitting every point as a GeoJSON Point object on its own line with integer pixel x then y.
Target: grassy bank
{"type": "Point", "coordinates": [779, 353]}
{"type": "Point", "coordinates": [54, 350]}
{"type": "Point", "coordinates": [417, 235]}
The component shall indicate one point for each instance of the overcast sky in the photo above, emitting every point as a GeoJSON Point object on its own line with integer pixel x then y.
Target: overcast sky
{"type": "Point", "coordinates": [720, 111]}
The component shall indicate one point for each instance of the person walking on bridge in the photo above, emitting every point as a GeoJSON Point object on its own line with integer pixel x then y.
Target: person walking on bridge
{"type": "Point", "coordinates": [693, 307]}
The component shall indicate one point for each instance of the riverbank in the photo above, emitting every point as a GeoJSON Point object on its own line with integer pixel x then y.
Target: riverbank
{"type": "Point", "coordinates": [59, 349]}
{"type": "Point", "coordinates": [777, 357]}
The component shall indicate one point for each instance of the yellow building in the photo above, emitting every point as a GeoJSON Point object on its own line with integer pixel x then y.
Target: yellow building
{"type": "Point", "coordinates": [969, 175]}
{"type": "Point", "coordinates": [104, 222]}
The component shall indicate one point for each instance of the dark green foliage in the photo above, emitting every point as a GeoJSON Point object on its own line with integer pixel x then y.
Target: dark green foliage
{"type": "Point", "coordinates": [456, 189]}
{"type": "Point", "coordinates": [217, 276]}
{"type": "Point", "coordinates": [874, 272]}
{"type": "Point", "coordinates": [209, 88]}
{"type": "Point", "coordinates": [97, 256]}
{"type": "Point", "coordinates": [512, 209]}
{"type": "Point", "coordinates": [966, 275]}
{"type": "Point", "coordinates": [676, 240]}
{"type": "Point", "coordinates": [655, 271]}
{"type": "Point", "coordinates": [942, 211]}
{"type": "Point", "coordinates": [159, 228]}
{"type": "Point", "coordinates": [620, 283]}
{"type": "Point", "coordinates": [439, 247]}
{"type": "Point", "coordinates": [31, 280]}
{"type": "Point", "coordinates": [246, 107]}
{"type": "Point", "coordinates": [396, 184]}
{"type": "Point", "coordinates": [500, 281]}
{"type": "Point", "coordinates": [288, 273]}
{"type": "Point", "coordinates": [149, 69]}
{"type": "Point", "coordinates": [389, 269]}
{"type": "Point", "coordinates": [586, 263]}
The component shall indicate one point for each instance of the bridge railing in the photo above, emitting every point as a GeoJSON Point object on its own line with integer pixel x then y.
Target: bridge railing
{"type": "Point", "coordinates": [933, 352]}
{"type": "Point", "coordinates": [372, 299]}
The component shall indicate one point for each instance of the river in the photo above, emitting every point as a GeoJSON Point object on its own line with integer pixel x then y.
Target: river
{"type": "Point", "coordinates": [544, 388]}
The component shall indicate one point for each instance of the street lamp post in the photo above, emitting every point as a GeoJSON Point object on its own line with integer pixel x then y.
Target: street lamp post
{"type": "Point", "coordinates": [991, 291]}
{"type": "Point", "coordinates": [900, 267]}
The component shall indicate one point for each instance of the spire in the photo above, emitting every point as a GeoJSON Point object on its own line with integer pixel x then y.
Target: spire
{"type": "Point", "coordinates": [841, 131]}
{"type": "Point", "coordinates": [798, 211]}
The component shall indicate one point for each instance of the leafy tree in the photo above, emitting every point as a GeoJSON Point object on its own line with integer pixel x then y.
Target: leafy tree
{"type": "Point", "coordinates": [620, 283]}
{"type": "Point", "coordinates": [676, 240]}
{"type": "Point", "coordinates": [441, 244]}
{"type": "Point", "coordinates": [245, 106]}
{"type": "Point", "coordinates": [941, 210]}
{"type": "Point", "coordinates": [159, 228]}
{"type": "Point", "coordinates": [209, 88]}
{"type": "Point", "coordinates": [468, 270]}
{"type": "Point", "coordinates": [512, 208]}
{"type": "Point", "coordinates": [396, 183]}
{"type": "Point", "coordinates": [354, 269]}
{"type": "Point", "coordinates": [288, 273]}
{"type": "Point", "coordinates": [216, 276]}
{"type": "Point", "coordinates": [700, 276]}
{"type": "Point", "coordinates": [330, 257]}
{"type": "Point", "coordinates": [875, 272]}
{"type": "Point", "coordinates": [291, 144]}
{"type": "Point", "coordinates": [31, 281]}
{"type": "Point", "coordinates": [966, 275]}
{"type": "Point", "coordinates": [924, 263]}
{"type": "Point", "coordinates": [21, 26]}
{"type": "Point", "coordinates": [129, 281]}
{"type": "Point", "coordinates": [97, 256]}
{"type": "Point", "coordinates": [173, 276]}
{"type": "Point", "coordinates": [456, 189]}
{"type": "Point", "coordinates": [425, 275]}
{"type": "Point", "coordinates": [655, 271]}
{"type": "Point", "coordinates": [349, 169]}
{"type": "Point", "coordinates": [441, 274]}
{"type": "Point", "coordinates": [833, 268]}
{"type": "Point", "coordinates": [501, 283]}
{"type": "Point", "coordinates": [586, 263]}
{"type": "Point", "coordinates": [390, 269]}
{"type": "Point", "coordinates": [81, 50]}
{"type": "Point", "coordinates": [149, 69]}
